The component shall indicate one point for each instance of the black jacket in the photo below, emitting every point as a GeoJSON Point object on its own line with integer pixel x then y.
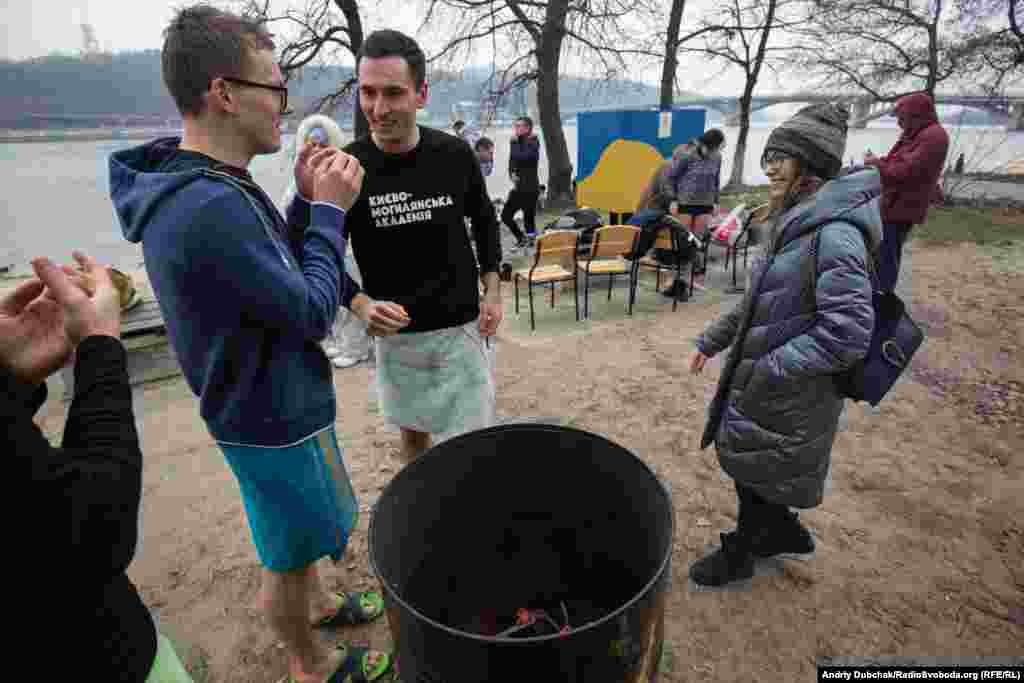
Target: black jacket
{"type": "Point", "coordinates": [523, 158]}
{"type": "Point", "coordinates": [80, 522]}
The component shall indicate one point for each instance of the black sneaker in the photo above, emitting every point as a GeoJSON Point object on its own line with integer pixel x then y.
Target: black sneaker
{"type": "Point", "coordinates": [789, 540]}
{"type": "Point", "coordinates": [676, 290]}
{"type": "Point", "coordinates": [731, 562]}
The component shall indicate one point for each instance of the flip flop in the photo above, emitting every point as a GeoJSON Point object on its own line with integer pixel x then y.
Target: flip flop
{"type": "Point", "coordinates": [354, 609]}
{"type": "Point", "coordinates": [354, 668]}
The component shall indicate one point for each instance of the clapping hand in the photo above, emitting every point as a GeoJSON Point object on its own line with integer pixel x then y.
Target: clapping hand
{"type": "Point", "coordinates": [33, 343]}
{"type": "Point", "coordinates": [43, 319]}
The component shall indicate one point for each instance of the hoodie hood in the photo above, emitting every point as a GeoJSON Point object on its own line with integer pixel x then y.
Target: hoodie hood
{"type": "Point", "coordinates": [853, 198]}
{"type": "Point", "coordinates": [921, 110]}
{"type": "Point", "coordinates": [137, 187]}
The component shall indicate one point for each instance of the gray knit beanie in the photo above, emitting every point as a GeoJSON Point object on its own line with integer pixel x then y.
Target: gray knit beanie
{"type": "Point", "coordinates": [816, 135]}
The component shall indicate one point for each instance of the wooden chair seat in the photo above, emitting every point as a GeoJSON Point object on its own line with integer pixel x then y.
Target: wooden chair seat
{"type": "Point", "coordinates": [544, 273]}
{"type": "Point", "coordinates": [611, 244]}
{"type": "Point", "coordinates": [553, 251]}
{"type": "Point", "coordinates": [666, 240]}
{"type": "Point", "coordinates": [616, 265]}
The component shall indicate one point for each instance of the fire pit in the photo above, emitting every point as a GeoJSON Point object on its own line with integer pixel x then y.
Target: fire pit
{"type": "Point", "coordinates": [525, 552]}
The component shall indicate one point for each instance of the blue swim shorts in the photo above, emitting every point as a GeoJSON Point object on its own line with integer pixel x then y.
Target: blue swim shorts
{"type": "Point", "coordinates": [298, 499]}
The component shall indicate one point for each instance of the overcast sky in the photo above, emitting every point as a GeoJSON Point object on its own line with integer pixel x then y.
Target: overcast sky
{"type": "Point", "coordinates": [32, 29]}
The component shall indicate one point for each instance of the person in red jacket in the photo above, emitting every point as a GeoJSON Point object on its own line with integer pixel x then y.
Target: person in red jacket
{"type": "Point", "coordinates": [909, 173]}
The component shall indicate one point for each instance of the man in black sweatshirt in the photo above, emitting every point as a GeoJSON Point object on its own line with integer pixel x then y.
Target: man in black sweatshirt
{"type": "Point", "coordinates": [524, 155]}
{"type": "Point", "coordinates": [421, 290]}
{"type": "Point", "coordinates": [84, 496]}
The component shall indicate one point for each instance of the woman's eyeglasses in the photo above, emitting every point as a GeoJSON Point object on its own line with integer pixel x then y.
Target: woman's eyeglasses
{"type": "Point", "coordinates": [773, 157]}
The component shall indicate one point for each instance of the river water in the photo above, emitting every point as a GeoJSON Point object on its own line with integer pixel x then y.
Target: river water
{"type": "Point", "coordinates": [56, 195]}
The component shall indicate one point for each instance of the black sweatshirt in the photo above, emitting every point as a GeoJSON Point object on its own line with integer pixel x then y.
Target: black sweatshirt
{"type": "Point", "coordinates": [80, 522]}
{"type": "Point", "coordinates": [408, 229]}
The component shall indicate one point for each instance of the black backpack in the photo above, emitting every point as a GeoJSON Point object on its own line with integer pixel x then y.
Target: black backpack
{"type": "Point", "coordinates": [584, 221]}
{"type": "Point", "coordinates": [894, 340]}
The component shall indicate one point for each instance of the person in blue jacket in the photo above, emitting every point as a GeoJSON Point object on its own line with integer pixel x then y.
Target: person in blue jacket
{"type": "Point", "coordinates": [774, 416]}
{"type": "Point", "coordinates": [247, 296]}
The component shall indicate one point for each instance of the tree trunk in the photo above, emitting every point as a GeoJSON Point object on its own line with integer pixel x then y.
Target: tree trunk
{"type": "Point", "coordinates": [740, 155]}
{"type": "Point", "coordinates": [549, 50]}
{"type": "Point", "coordinates": [668, 69]}
{"type": "Point", "coordinates": [350, 10]}
{"type": "Point", "coordinates": [933, 57]}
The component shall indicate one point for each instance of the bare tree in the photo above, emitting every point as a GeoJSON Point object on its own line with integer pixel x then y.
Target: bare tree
{"type": "Point", "coordinates": [993, 51]}
{"type": "Point", "coordinates": [323, 32]}
{"type": "Point", "coordinates": [529, 38]}
{"type": "Point", "coordinates": [674, 40]}
{"type": "Point", "coordinates": [976, 149]}
{"type": "Point", "coordinates": [740, 33]}
{"type": "Point", "coordinates": [886, 48]}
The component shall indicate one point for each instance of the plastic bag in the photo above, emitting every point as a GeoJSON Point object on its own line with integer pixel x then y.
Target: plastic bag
{"type": "Point", "coordinates": [729, 230]}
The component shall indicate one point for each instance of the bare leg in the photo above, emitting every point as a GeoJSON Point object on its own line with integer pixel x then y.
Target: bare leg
{"type": "Point", "coordinates": [323, 603]}
{"type": "Point", "coordinates": [414, 444]}
{"type": "Point", "coordinates": [700, 225]}
{"type": "Point", "coordinates": [285, 600]}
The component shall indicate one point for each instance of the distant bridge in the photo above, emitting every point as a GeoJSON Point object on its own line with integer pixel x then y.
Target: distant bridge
{"type": "Point", "coordinates": [862, 109]}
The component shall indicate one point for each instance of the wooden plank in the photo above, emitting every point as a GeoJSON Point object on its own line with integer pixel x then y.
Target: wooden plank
{"type": "Point", "coordinates": [143, 318]}
{"type": "Point", "coordinates": [146, 363]}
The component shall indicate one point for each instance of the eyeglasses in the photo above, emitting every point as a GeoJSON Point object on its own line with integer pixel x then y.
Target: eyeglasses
{"type": "Point", "coordinates": [774, 156]}
{"type": "Point", "coordinates": [281, 90]}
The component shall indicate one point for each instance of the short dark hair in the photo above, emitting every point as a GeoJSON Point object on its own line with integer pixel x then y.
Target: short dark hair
{"type": "Point", "coordinates": [484, 141]}
{"type": "Point", "coordinates": [713, 138]}
{"type": "Point", "coordinates": [459, 124]}
{"type": "Point", "coordinates": [390, 43]}
{"type": "Point", "coordinates": [203, 43]}
{"type": "Point", "coordinates": [527, 120]}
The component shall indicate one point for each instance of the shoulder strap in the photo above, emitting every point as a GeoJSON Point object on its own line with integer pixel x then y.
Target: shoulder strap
{"type": "Point", "coordinates": [811, 259]}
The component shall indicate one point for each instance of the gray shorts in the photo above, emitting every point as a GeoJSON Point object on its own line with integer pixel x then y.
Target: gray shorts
{"type": "Point", "coordinates": [439, 382]}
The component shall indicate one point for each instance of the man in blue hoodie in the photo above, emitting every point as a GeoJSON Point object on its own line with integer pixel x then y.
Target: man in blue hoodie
{"type": "Point", "coordinates": [247, 296]}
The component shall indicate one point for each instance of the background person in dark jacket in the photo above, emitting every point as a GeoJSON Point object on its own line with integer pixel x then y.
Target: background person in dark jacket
{"type": "Point", "coordinates": [774, 416]}
{"type": "Point", "coordinates": [524, 156]}
{"type": "Point", "coordinates": [909, 172]}
{"type": "Point", "coordinates": [84, 495]}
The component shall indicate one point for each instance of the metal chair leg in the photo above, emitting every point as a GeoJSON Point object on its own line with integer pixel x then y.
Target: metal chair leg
{"type": "Point", "coordinates": [552, 295]}
{"type": "Point", "coordinates": [586, 295]}
{"type": "Point", "coordinates": [576, 297]}
{"type": "Point", "coordinates": [611, 279]}
{"type": "Point", "coordinates": [678, 283]}
{"type": "Point", "coordinates": [515, 286]}
{"type": "Point", "coordinates": [529, 291]}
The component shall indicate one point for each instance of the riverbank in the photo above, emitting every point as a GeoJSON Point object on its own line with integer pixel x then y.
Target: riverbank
{"type": "Point", "coordinates": [86, 134]}
{"type": "Point", "coordinates": [919, 537]}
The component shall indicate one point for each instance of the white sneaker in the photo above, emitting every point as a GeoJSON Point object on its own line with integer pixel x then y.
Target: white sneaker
{"type": "Point", "coordinates": [343, 361]}
{"type": "Point", "coordinates": [331, 350]}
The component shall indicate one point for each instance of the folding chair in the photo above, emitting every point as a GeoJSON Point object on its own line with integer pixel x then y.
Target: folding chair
{"type": "Point", "coordinates": [743, 241]}
{"type": "Point", "coordinates": [611, 244]}
{"type": "Point", "coordinates": [552, 251]}
{"type": "Point", "coordinates": [666, 238]}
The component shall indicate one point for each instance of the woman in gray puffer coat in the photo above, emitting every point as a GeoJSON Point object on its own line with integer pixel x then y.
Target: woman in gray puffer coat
{"type": "Point", "coordinates": [774, 417]}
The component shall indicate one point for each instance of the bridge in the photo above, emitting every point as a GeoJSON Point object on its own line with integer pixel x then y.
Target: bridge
{"type": "Point", "coordinates": [862, 109]}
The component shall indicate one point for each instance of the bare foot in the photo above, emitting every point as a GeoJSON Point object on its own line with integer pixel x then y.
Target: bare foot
{"type": "Point", "coordinates": [324, 605]}
{"type": "Point", "coordinates": [333, 661]}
